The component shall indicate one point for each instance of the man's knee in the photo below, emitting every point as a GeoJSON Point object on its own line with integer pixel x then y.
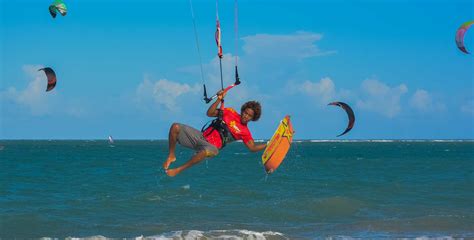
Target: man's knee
{"type": "Point", "coordinates": [211, 153]}
{"type": "Point", "coordinates": [175, 127]}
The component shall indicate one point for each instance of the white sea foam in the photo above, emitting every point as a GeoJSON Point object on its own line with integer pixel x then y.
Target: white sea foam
{"type": "Point", "coordinates": [244, 234]}
{"type": "Point", "coordinates": [155, 198]}
{"type": "Point", "coordinates": [97, 237]}
{"type": "Point", "coordinates": [237, 234]}
{"type": "Point", "coordinates": [341, 237]}
{"type": "Point", "coordinates": [241, 153]}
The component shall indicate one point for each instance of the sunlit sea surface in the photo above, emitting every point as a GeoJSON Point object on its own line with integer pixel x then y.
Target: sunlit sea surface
{"type": "Point", "coordinates": [323, 189]}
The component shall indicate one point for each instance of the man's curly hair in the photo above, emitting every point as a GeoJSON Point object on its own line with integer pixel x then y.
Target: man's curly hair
{"type": "Point", "coordinates": [255, 106]}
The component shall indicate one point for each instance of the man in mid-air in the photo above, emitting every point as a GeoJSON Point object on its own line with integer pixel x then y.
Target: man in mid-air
{"type": "Point", "coordinates": [229, 126]}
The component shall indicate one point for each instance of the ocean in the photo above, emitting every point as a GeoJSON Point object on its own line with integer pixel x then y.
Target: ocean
{"type": "Point", "coordinates": [323, 190]}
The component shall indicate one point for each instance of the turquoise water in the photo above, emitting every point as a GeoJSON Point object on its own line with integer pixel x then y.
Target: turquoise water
{"type": "Point", "coordinates": [323, 189]}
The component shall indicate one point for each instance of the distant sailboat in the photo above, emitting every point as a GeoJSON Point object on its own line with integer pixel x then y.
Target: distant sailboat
{"type": "Point", "coordinates": [111, 140]}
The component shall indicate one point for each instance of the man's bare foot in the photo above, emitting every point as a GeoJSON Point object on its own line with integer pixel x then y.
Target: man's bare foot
{"type": "Point", "coordinates": [172, 172]}
{"type": "Point", "coordinates": [168, 161]}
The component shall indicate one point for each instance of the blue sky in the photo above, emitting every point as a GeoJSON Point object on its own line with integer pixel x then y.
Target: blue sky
{"type": "Point", "coordinates": [131, 68]}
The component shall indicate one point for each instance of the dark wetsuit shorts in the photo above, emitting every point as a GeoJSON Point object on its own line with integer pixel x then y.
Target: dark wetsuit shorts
{"type": "Point", "coordinates": [192, 138]}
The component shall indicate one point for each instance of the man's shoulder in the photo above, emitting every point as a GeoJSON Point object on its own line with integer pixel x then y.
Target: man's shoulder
{"type": "Point", "coordinates": [229, 109]}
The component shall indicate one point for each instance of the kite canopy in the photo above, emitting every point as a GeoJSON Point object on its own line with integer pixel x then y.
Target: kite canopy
{"type": "Point", "coordinates": [58, 6]}
{"type": "Point", "coordinates": [350, 114]}
{"type": "Point", "coordinates": [51, 75]}
{"type": "Point", "coordinates": [460, 35]}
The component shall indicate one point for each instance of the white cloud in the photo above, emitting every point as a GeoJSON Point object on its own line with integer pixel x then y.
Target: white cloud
{"type": "Point", "coordinates": [381, 98]}
{"type": "Point", "coordinates": [295, 46]}
{"type": "Point", "coordinates": [212, 78]}
{"type": "Point", "coordinates": [323, 91]}
{"type": "Point", "coordinates": [265, 58]}
{"type": "Point", "coordinates": [373, 95]}
{"type": "Point", "coordinates": [423, 101]}
{"type": "Point", "coordinates": [34, 96]}
{"type": "Point", "coordinates": [213, 73]}
{"type": "Point", "coordinates": [211, 70]}
{"type": "Point", "coordinates": [164, 92]}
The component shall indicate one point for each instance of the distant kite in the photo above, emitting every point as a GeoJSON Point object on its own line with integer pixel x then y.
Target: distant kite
{"type": "Point", "coordinates": [460, 35]}
{"type": "Point", "coordinates": [350, 114]}
{"type": "Point", "coordinates": [57, 6]}
{"type": "Point", "coordinates": [51, 78]}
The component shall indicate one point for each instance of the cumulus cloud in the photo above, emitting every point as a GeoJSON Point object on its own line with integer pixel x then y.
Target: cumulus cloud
{"type": "Point", "coordinates": [36, 100]}
{"type": "Point", "coordinates": [212, 78]}
{"type": "Point", "coordinates": [423, 101]}
{"type": "Point", "coordinates": [323, 91]}
{"type": "Point", "coordinates": [34, 97]}
{"type": "Point", "coordinates": [373, 95]}
{"type": "Point", "coordinates": [265, 58]}
{"type": "Point", "coordinates": [381, 98]}
{"type": "Point", "coordinates": [164, 92]}
{"type": "Point", "coordinates": [295, 46]}
{"type": "Point", "coordinates": [211, 71]}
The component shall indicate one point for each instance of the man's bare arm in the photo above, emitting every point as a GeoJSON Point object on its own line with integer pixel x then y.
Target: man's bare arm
{"type": "Point", "coordinates": [255, 147]}
{"type": "Point", "coordinates": [212, 111]}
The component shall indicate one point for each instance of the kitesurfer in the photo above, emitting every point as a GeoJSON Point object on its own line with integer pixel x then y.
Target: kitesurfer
{"type": "Point", "coordinates": [227, 127]}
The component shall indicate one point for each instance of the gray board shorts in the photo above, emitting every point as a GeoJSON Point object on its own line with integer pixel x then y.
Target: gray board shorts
{"type": "Point", "coordinates": [192, 138]}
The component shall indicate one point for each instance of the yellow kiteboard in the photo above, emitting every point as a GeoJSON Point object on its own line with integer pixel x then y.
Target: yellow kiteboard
{"type": "Point", "coordinates": [278, 146]}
